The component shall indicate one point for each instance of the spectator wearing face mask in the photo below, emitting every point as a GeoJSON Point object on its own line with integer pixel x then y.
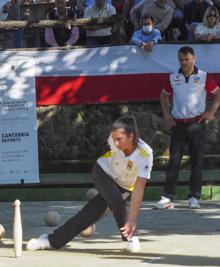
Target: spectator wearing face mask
{"type": "Point", "coordinates": [147, 36]}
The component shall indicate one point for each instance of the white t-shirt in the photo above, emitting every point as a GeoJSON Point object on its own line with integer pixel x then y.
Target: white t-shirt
{"type": "Point", "coordinates": [189, 97]}
{"type": "Point", "coordinates": [201, 29]}
{"type": "Point", "coordinates": [125, 169]}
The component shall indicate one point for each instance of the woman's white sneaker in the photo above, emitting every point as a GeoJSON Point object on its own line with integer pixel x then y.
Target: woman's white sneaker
{"type": "Point", "coordinates": [133, 245]}
{"type": "Point", "coordinates": [39, 243]}
{"type": "Point", "coordinates": [164, 203]}
{"type": "Point", "coordinates": [194, 203]}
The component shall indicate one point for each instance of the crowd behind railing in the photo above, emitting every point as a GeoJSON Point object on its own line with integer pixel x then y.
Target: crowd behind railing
{"type": "Point", "coordinates": [143, 23]}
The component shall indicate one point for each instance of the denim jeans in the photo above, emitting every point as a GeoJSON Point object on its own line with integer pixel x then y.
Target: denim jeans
{"type": "Point", "coordinates": [191, 134]}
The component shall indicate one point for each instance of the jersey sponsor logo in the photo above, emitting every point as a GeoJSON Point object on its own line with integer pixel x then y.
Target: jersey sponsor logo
{"type": "Point", "coordinates": [130, 165]}
{"type": "Point", "coordinates": [196, 80]}
{"type": "Point", "coordinates": [177, 78]}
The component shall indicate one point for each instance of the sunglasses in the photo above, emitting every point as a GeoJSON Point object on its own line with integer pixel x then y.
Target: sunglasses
{"type": "Point", "coordinates": [212, 15]}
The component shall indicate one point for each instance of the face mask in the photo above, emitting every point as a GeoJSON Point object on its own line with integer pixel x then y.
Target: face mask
{"type": "Point", "coordinates": [147, 29]}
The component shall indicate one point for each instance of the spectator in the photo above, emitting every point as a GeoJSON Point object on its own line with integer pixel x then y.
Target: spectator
{"type": "Point", "coordinates": [161, 12]}
{"type": "Point", "coordinates": [188, 88]}
{"type": "Point", "coordinates": [210, 28]}
{"type": "Point", "coordinates": [61, 36]}
{"type": "Point", "coordinates": [178, 20]}
{"type": "Point", "coordinates": [3, 9]}
{"type": "Point", "coordinates": [13, 10]}
{"type": "Point", "coordinates": [4, 36]}
{"type": "Point", "coordinates": [98, 10]}
{"type": "Point", "coordinates": [194, 13]}
{"type": "Point", "coordinates": [148, 36]}
{"type": "Point", "coordinates": [123, 8]}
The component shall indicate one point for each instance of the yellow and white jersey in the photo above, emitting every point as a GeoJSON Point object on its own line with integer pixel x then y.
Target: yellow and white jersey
{"type": "Point", "coordinates": [125, 169]}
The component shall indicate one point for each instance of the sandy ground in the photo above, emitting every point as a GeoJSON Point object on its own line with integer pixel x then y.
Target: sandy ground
{"type": "Point", "coordinates": [178, 237]}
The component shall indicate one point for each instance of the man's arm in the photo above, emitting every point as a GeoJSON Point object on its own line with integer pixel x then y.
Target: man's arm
{"type": "Point", "coordinates": [49, 36]}
{"type": "Point", "coordinates": [8, 6]}
{"type": "Point", "coordinates": [111, 10]}
{"type": "Point", "coordinates": [136, 38]}
{"type": "Point", "coordinates": [87, 13]}
{"type": "Point", "coordinates": [136, 13]}
{"type": "Point", "coordinates": [163, 25]}
{"type": "Point", "coordinates": [165, 105]}
{"type": "Point", "coordinates": [74, 36]}
{"type": "Point", "coordinates": [209, 115]}
{"type": "Point", "coordinates": [157, 36]}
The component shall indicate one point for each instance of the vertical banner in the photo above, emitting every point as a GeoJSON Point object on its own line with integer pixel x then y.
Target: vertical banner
{"type": "Point", "coordinates": [18, 121]}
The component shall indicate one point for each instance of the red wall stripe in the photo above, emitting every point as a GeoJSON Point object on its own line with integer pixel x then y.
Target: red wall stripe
{"type": "Point", "coordinates": [100, 89]}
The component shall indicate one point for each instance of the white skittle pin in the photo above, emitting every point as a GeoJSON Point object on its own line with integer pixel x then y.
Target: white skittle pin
{"type": "Point", "coordinates": [17, 229]}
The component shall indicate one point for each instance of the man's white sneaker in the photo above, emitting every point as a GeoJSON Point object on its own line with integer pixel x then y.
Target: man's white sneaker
{"type": "Point", "coordinates": [194, 203]}
{"type": "Point", "coordinates": [39, 243]}
{"type": "Point", "coordinates": [164, 203]}
{"type": "Point", "coordinates": [133, 245]}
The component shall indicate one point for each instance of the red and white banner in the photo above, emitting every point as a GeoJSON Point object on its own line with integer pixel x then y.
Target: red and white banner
{"type": "Point", "coordinates": [110, 74]}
